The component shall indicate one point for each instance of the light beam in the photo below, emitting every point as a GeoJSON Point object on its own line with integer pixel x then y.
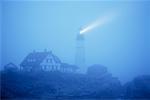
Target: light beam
{"type": "Point", "coordinates": [97, 23]}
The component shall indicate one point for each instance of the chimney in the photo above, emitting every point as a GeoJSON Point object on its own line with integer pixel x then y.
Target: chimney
{"type": "Point", "coordinates": [34, 51]}
{"type": "Point", "coordinates": [45, 50]}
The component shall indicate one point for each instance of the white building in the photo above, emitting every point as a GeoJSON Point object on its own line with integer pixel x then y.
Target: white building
{"type": "Point", "coordinates": [44, 61]}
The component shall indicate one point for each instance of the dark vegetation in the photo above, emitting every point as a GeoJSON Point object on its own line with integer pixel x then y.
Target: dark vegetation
{"type": "Point", "coordinates": [97, 83]}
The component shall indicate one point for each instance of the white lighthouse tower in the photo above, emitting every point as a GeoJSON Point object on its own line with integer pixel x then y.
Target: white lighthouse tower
{"type": "Point", "coordinates": [80, 47]}
{"type": "Point", "coordinates": [80, 53]}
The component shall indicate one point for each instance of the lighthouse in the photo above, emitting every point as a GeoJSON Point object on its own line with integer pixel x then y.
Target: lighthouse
{"type": "Point", "coordinates": [80, 53]}
{"type": "Point", "coordinates": [80, 47]}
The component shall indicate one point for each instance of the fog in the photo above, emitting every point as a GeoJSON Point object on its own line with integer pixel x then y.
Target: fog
{"type": "Point", "coordinates": [122, 45]}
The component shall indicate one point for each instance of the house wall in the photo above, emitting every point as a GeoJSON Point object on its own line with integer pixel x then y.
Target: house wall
{"type": "Point", "coordinates": [30, 68]}
{"type": "Point", "coordinates": [49, 64]}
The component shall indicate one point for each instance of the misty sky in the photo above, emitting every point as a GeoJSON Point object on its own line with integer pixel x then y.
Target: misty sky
{"type": "Point", "coordinates": [122, 45]}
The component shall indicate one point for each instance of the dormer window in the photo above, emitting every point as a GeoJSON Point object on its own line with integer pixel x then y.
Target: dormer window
{"type": "Point", "coordinates": [49, 60]}
{"type": "Point", "coordinates": [31, 60]}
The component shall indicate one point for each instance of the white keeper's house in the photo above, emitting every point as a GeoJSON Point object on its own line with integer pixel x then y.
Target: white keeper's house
{"type": "Point", "coordinates": [45, 61]}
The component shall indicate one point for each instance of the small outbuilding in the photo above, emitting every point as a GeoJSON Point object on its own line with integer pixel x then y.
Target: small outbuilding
{"type": "Point", "coordinates": [10, 67]}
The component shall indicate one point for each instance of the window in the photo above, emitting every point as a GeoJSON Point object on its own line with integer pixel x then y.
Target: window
{"type": "Point", "coordinates": [49, 60]}
{"type": "Point", "coordinates": [52, 67]}
{"type": "Point", "coordinates": [44, 67]}
{"type": "Point", "coordinates": [31, 60]}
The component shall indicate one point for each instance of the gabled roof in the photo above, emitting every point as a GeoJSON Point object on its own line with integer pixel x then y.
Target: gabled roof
{"type": "Point", "coordinates": [37, 58]}
{"type": "Point", "coordinates": [10, 65]}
